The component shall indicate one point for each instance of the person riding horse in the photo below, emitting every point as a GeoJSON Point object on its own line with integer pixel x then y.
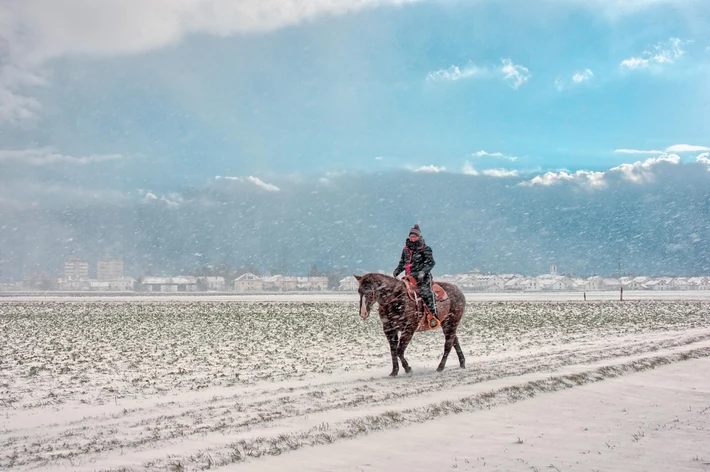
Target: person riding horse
{"type": "Point", "coordinates": [417, 260]}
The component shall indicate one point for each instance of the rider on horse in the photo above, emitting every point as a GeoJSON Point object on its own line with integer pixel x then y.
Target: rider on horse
{"type": "Point", "coordinates": [417, 260]}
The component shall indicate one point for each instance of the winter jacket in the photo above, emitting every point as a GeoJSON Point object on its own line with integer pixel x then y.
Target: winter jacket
{"type": "Point", "coordinates": [417, 259]}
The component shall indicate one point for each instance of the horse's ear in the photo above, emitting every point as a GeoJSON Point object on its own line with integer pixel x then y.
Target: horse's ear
{"type": "Point", "coordinates": [357, 277]}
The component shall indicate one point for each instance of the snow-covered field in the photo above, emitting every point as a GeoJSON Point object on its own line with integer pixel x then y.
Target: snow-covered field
{"type": "Point", "coordinates": [192, 385]}
{"type": "Point", "coordinates": [607, 295]}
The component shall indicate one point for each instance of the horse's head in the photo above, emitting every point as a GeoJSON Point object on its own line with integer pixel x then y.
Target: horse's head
{"type": "Point", "coordinates": [368, 293]}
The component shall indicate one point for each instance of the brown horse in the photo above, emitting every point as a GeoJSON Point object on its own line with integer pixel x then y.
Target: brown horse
{"type": "Point", "coordinates": [401, 319]}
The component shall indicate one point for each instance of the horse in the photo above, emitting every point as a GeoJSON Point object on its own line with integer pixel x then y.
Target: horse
{"type": "Point", "coordinates": [401, 318]}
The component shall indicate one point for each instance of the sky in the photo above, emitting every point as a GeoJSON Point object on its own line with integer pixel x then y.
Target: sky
{"type": "Point", "coordinates": [126, 97]}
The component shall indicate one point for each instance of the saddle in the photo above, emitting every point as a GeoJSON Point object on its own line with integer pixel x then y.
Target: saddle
{"type": "Point", "coordinates": [413, 293]}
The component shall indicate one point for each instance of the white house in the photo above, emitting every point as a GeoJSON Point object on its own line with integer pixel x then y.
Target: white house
{"type": "Point", "coordinates": [531, 285]}
{"type": "Point", "coordinates": [594, 283]}
{"type": "Point", "coordinates": [680, 283]}
{"type": "Point", "coordinates": [349, 284]}
{"type": "Point", "coordinates": [122, 284]}
{"type": "Point", "coordinates": [168, 284]}
{"type": "Point", "coordinates": [248, 283]}
{"type": "Point", "coordinates": [699, 283]}
{"type": "Point", "coordinates": [213, 283]}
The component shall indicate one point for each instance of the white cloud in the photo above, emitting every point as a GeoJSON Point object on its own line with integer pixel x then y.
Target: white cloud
{"type": "Point", "coordinates": [48, 156]}
{"type": "Point", "coordinates": [643, 171]}
{"type": "Point", "coordinates": [236, 179]}
{"type": "Point", "coordinates": [468, 169]}
{"type": "Point", "coordinates": [498, 155]}
{"type": "Point", "coordinates": [500, 173]}
{"type": "Point", "coordinates": [637, 172]}
{"type": "Point", "coordinates": [33, 32]}
{"type": "Point", "coordinates": [430, 169]}
{"type": "Point", "coordinates": [576, 79]}
{"type": "Point", "coordinates": [583, 76]}
{"type": "Point", "coordinates": [678, 148]}
{"type": "Point", "coordinates": [582, 177]}
{"type": "Point", "coordinates": [515, 75]}
{"type": "Point", "coordinates": [260, 183]}
{"type": "Point", "coordinates": [636, 151]}
{"type": "Point", "coordinates": [255, 180]}
{"type": "Point", "coordinates": [704, 158]}
{"type": "Point", "coordinates": [665, 52]}
{"type": "Point", "coordinates": [454, 73]}
{"type": "Point", "coordinates": [172, 200]}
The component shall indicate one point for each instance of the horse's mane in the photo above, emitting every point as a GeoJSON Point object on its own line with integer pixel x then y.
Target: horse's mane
{"type": "Point", "coordinates": [384, 283]}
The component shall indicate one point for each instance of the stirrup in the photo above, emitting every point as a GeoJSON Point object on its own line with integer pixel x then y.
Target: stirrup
{"type": "Point", "coordinates": [434, 321]}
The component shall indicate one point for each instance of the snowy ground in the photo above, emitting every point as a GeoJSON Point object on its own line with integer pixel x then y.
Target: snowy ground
{"type": "Point", "coordinates": [139, 385]}
{"type": "Point", "coordinates": [607, 295]}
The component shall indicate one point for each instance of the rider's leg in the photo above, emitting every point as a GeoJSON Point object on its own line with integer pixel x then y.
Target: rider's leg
{"type": "Point", "coordinates": [428, 296]}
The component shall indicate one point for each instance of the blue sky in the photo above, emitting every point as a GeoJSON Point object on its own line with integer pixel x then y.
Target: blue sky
{"type": "Point", "coordinates": [158, 95]}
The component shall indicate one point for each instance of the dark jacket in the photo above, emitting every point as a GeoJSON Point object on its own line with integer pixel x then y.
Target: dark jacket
{"type": "Point", "coordinates": [416, 258]}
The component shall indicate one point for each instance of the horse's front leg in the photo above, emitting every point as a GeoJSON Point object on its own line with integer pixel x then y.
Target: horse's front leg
{"type": "Point", "coordinates": [393, 339]}
{"type": "Point", "coordinates": [403, 343]}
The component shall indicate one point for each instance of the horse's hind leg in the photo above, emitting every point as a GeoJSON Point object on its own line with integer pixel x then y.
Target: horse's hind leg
{"type": "Point", "coordinates": [459, 352]}
{"type": "Point", "coordinates": [403, 343]}
{"type": "Point", "coordinates": [393, 339]}
{"type": "Point", "coordinates": [449, 340]}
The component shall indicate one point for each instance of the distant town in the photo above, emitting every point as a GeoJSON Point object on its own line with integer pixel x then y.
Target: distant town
{"type": "Point", "coordinates": [110, 278]}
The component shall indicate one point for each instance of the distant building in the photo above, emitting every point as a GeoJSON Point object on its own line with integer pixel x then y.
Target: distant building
{"type": "Point", "coordinates": [349, 284]}
{"type": "Point", "coordinates": [76, 269]}
{"type": "Point", "coordinates": [168, 284]}
{"type": "Point", "coordinates": [109, 269]}
{"type": "Point", "coordinates": [553, 269]}
{"type": "Point", "coordinates": [212, 283]}
{"type": "Point", "coordinates": [248, 283]}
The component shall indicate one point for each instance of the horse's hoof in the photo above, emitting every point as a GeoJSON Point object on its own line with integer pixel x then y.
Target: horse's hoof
{"type": "Point", "coordinates": [440, 368]}
{"type": "Point", "coordinates": [463, 366]}
{"type": "Point", "coordinates": [409, 371]}
{"type": "Point", "coordinates": [394, 373]}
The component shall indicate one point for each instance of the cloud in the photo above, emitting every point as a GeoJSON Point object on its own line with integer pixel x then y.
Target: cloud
{"type": "Point", "coordinates": [644, 171]}
{"type": "Point", "coordinates": [515, 75]}
{"type": "Point", "coordinates": [678, 148]}
{"type": "Point", "coordinates": [172, 200]}
{"type": "Point", "coordinates": [665, 52]}
{"type": "Point", "coordinates": [704, 158]}
{"type": "Point", "coordinates": [583, 76]}
{"type": "Point", "coordinates": [454, 73]}
{"type": "Point", "coordinates": [636, 151]}
{"type": "Point", "coordinates": [48, 156]}
{"type": "Point", "coordinates": [637, 172]}
{"type": "Point", "coordinates": [468, 169]}
{"type": "Point", "coordinates": [500, 173]}
{"type": "Point", "coordinates": [576, 79]}
{"type": "Point", "coordinates": [255, 180]}
{"type": "Point", "coordinates": [498, 155]}
{"type": "Point", "coordinates": [260, 183]}
{"type": "Point", "coordinates": [430, 169]}
{"type": "Point", "coordinates": [582, 177]}
{"type": "Point", "coordinates": [33, 32]}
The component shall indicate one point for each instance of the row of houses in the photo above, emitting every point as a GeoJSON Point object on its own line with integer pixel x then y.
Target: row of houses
{"type": "Point", "coordinates": [550, 282]}
{"type": "Point", "coordinates": [245, 283]}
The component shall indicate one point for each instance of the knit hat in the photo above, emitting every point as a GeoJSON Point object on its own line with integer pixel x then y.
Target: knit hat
{"type": "Point", "coordinates": [416, 230]}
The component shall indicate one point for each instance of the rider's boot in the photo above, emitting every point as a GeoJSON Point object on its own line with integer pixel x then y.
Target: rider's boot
{"type": "Point", "coordinates": [435, 318]}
